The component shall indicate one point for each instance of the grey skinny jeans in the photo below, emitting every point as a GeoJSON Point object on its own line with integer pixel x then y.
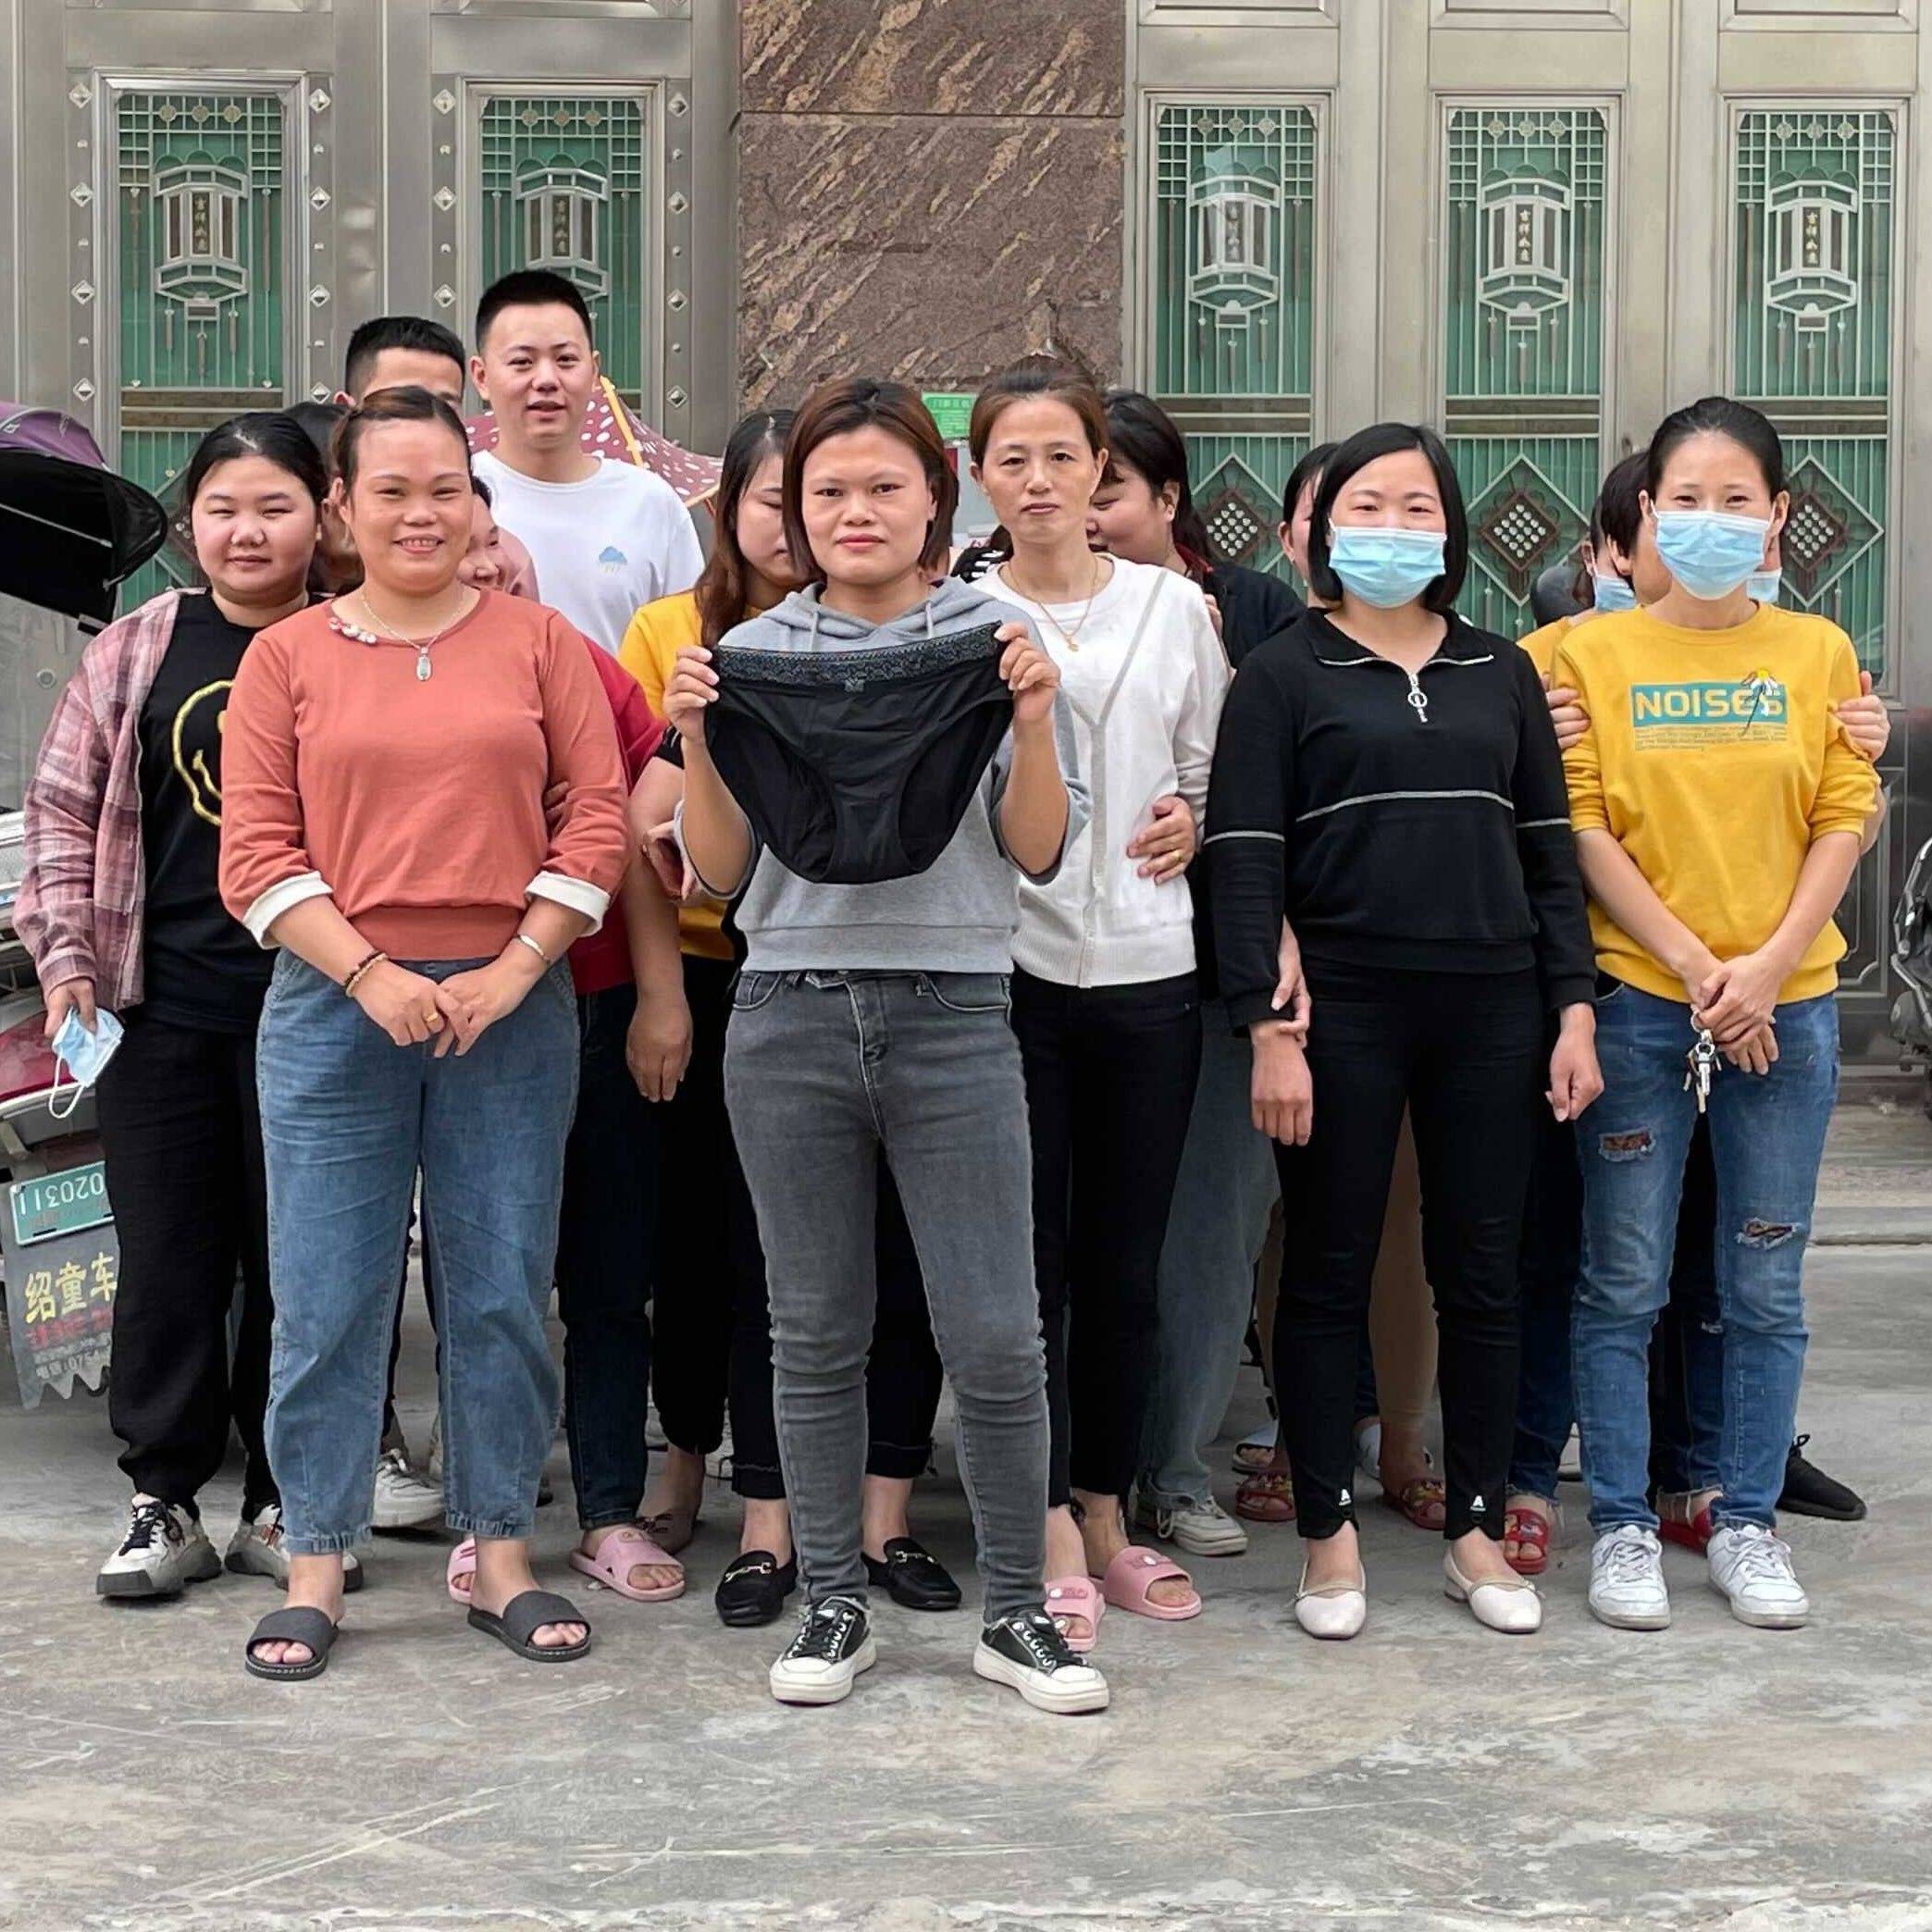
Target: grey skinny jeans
{"type": "Point", "coordinates": [821, 1070]}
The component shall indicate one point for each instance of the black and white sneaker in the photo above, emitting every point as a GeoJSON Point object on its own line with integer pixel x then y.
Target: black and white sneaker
{"type": "Point", "coordinates": [164, 1550]}
{"type": "Point", "coordinates": [834, 1644]}
{"type": "Point", "coordinates": [1027, 1651]}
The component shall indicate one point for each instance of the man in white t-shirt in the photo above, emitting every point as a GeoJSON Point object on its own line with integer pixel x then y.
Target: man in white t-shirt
{"type": "Point", "coordinates": [606, 536]}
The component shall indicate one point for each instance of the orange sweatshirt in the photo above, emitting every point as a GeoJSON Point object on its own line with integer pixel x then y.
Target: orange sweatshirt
{"type": "Point", "coordinates": [418, 803]}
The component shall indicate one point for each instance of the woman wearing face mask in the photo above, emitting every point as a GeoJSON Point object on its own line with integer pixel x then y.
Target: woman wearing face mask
{"type": "Point", "coordinates": [872, 1015]}
{"type": "Point", "coordinates": [1719, 805]}
{"type": "Point", "coordinates": [120, 911]}
{"type": "Point", "coordinates": [1388, 777]}
{"type": "Point", "coordinates": [705, 1345]}
{"type": "Point", "coordinates": [1395, 1366]}
{"type": "Point", "coordinates": [387, 758]}
{"type": "Point", "coordinates": [1105, 999]}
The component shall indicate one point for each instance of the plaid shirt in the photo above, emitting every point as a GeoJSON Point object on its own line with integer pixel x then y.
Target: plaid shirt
{"type": "Point", "coordinates": [81, 902]}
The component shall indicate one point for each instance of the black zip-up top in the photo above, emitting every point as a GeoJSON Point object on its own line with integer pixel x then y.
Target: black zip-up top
{"type": "Point", "coordinates": [1407, 821]}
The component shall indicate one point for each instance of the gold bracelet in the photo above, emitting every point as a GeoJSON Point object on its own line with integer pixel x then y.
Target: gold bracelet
{"type": "Point", "coordinates": [354, 979]}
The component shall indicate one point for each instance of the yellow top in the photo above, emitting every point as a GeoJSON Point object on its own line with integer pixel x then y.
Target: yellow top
{"type": "Point", "coordinates": [1715, 759]}
{"type": "Point", "coordinates": [1542, 644]}
{"type": "Point", "coordinates": [654, 637]}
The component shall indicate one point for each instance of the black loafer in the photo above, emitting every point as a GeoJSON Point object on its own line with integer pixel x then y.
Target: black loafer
{"type": "Point", "coordinates": [753, 1588]}
{"type": "Point", "coordinates": [1808, 1492]}
{"type": "Point", "coordinates": [913, 1578]}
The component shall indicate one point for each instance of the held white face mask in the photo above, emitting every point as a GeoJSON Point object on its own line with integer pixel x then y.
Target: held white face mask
{"type": "Point", "coordinates": [83, 1054]}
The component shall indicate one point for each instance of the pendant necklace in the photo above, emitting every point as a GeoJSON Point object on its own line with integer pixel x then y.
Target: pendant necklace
{"type": "Point", "coordinates": [386, 634]}
{"type": "Point", "coordinates": [1071, 633]}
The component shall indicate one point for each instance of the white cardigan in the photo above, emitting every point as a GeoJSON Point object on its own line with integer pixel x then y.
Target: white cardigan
{"type": "Point", "coordinates": [1146, 684]}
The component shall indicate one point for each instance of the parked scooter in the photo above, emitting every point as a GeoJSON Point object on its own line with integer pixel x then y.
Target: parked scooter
{"type": "Point", "coordinates": [72, 531]}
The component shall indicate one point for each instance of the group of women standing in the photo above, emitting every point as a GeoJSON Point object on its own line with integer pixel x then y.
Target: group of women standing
{"type": "Point", "coordinates": [1085, 895]}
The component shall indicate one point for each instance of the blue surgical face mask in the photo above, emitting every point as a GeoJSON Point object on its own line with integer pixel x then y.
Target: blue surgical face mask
{"type": "Point", "coordinates": [1762, 585]}
{"type": "Point", "coordinates": [1712, 552]}
{"type": "Point", "coordinates": [1612, 593]}
{"type": "Point", "coordinates": [1385, 567]}
{"type": "Point", "coordinates": [83, 1054]}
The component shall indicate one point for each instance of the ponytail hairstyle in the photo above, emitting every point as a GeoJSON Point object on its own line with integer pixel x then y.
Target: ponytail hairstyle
{"type": "Point", "coordinates": [272, 434]}
{"type": "Point", "coordinates": [867, 402]}
{"type": "Point", "coordinates": [405, 403]}
{"type": "Point", "coordinates": [1141, 437]}
{"type": "Point", "coordinates": [1062, 378]}
{"type": "Point", "coordinates": [1717, 415]}
{"type": "Point", "coordinates": [721, 589]}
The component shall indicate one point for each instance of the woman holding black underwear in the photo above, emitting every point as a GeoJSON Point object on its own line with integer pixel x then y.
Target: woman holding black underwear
{"type": "Point", "coordinates": [871, 1012]}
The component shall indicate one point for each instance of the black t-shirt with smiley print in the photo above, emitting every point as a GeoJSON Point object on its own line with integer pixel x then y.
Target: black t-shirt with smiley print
{"type": "Point", "coordinates": [200, 968]}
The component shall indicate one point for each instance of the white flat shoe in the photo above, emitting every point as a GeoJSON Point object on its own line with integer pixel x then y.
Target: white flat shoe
{"type": "Point", "coordinates": [1515, 1608]}
{"type": "Point", "coordinates": [1333, 1613]}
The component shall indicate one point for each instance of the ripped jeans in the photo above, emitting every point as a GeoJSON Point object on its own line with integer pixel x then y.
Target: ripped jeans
{"type": "Point", "coordinates": [1767, 1138]}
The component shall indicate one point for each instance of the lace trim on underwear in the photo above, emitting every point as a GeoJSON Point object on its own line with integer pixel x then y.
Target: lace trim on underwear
{"type": "Point", "coordinates": [854, 669]}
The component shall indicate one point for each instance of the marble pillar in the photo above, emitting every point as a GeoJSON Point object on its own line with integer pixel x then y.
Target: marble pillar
{"type": "Point", "coordinates": [928, 188]}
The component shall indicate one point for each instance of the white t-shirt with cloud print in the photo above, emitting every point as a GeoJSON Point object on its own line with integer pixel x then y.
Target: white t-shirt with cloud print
{"type": "Point", "coordinates": [602, 547]}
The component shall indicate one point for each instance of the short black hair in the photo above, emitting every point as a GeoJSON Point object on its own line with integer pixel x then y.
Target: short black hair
{"type": "Point", "coordinates": [1142, 437]}
{"type": "Point", "coordinates": [414, 332]}
{"type": "Point", "coordinates": [1356, 452]}
{"type": "Point", "coordinates": [479, 487]}
{"type": "Point", "coordinates": [1618, 509]}
{"type": "Point", "coordinates": [1308, 470]}
{"type": "Point", "coordinates": [531, 287]}
{"type": "Point", "coordinates": [1717, 415]}
{"type": "Point", "coordinates": [317, 421]}
{"type": "Point", "coordinates": [271, 434]}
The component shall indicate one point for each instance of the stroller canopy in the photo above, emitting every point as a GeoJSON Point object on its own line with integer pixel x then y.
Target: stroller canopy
{"type": "Point", "coordinates": [71, 529]}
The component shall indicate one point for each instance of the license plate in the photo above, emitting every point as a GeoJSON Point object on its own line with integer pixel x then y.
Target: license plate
{"type": "Point", "coordinates": [59, 1204]}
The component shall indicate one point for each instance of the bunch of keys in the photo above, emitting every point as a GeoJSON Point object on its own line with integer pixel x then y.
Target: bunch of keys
{"type": "Point", "coordinates": [1699, 1063]}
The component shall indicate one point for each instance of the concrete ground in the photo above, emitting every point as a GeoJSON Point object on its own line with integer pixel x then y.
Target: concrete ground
{"type": "Point", "coordinates": [1428, 1775]}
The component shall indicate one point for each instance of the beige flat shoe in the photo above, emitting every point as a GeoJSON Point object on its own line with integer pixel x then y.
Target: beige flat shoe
{"type": "Point", "coordinates": [1336, 1612]}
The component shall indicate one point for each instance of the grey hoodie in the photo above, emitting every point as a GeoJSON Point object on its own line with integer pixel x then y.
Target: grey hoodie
{"type": "Point", "coordinates": [960, 913]}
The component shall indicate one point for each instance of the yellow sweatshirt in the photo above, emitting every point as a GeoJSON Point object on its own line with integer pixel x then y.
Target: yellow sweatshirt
{"type": "Point", "coordinates": [1543, 645]}
{"type": "Point", "coordinates": [654, 637]}
{"type": "Point", "coordinates": [1713, 759]}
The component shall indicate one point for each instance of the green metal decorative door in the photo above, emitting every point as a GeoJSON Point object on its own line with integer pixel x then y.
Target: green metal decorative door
{"type": "Point", "coordinates": [199, 226]}
{"type": "Point", "coordinates": [1812, 344]}
{"type": "Point", "coordinates": [564, 183]}
{"type": "Point", "coordinates": [1232, 308]}
{"type": "Point", "coordinates": [1524, 346]}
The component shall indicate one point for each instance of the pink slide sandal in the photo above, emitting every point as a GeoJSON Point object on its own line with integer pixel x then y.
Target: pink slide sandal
{"type": "Point", "coordinates": [1136, 1571]}
{"type": "Point", "coordinates": [622, 1552]}
{"type": "Point", "coordinates": [1075, 1596]}
{"type": "Point", "coordinates": [461, 1570]}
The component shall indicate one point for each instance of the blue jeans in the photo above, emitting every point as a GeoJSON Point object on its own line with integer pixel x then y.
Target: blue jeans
{"type": "Point", "coordinates": [1767, 1138]}
{"type": "Point", "coordinates": [824, 1070]}
{"type": "Point", "coordinates": [1687, 1349]}
{"type": "Point", "coordinates": [1547, 1270]}
{"type": "Point", "coordinates": [347, 1119]}
{"type": "Point", "coordinates": [1223, 1195]}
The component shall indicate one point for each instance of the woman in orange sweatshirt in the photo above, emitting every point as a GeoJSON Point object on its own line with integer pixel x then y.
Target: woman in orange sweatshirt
{"type": "Point", "coordinates": [385, 765]}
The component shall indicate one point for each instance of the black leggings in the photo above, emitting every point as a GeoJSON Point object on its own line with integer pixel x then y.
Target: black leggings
{"type": "Point", "coordinates": [1465, 1052]}
{"type": "Point", "coordinates": [1111, 1074]}
{"type": "Point", "coordinates": [182, 1141]}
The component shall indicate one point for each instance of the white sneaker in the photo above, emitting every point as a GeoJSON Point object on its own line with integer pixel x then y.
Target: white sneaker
{"type": "Point", "coordinates": [1202, 1529]}
{"type": "Point", "coordinates": [1027, 1651]}
{"type": "Point", "coordinates": [1627, 1580]}
{"type": "Point", "coordinates": [256, 1550]}
{"type": "Point", "coordinates": [1334, 1613]}
{"type": "Point", "coordinates": [405, 1498]}
{"type": "Point", "coordinates": [1751, 1567]}
{"type": "Point", "coordinates": [1368, 1440]}
{"type": "Point", "coordinates": [164, 1550]}
{"type": "Point", "coordinates": [834, 1644]}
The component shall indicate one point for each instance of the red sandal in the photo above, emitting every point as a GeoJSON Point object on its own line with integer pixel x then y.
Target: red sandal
{"type": "Point", "coordinates": [1532, 1533]}
{"type": "Point", "coordinates": [1424, 1503]}
{"type": "Point", "coordinates": [1267, 1496]}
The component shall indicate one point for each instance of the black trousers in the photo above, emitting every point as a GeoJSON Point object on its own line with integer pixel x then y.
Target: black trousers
{"type": "Point", "coordinates": [1465, 1052]}
{"type": "Point", "coordinates": [1111, 1074]}
{"type": "Point", "coordinates": [691, 1296]}
{"type": "Point", "coordinates": [902, 1372]}
{"type": "Point", "coordinates": [181, 1136]}
{"type": "Point", "coordinates": [395, 1355]}
{"type": "Point", "coordinates": [604, 1236]}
